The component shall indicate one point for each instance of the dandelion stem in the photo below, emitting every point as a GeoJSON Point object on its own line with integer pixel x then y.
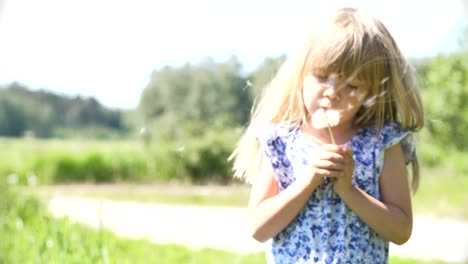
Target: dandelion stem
{"type": "Point", "coordinates": [331, 134]}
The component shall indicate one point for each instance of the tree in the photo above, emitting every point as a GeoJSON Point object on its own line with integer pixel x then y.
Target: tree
{"type": "Point", "coordinates": [445, 99]}
{"type": "Point", "coordinates": [203, 92]}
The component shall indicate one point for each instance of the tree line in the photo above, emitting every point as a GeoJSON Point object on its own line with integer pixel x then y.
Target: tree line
{"type": "Point", "coordinates": [188, 100]}
{"type": "Point", "coordinates": [45, 114]}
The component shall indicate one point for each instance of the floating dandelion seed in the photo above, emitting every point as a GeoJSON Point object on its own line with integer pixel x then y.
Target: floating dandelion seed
{"type": "Point", "coordinates": [32, 179]}
{"type": "Point", "coordinates": [12, 179]}
{"type": "Point", "coordinates": [19, 224]}
{"type": "Point", "coordinates": [50, 243]}
{"type": "Point", "coordinates": [384, 80]}
{"type": "Point", "coordinates": [180, 149]}
{"type": "Point", "coordinates": [369, 102]}
{"type": "Point", "coordinates": [248, 84]}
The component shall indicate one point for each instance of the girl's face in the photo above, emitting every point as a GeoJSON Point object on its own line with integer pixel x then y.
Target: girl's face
{"type": "Point", "coordinates": [341, 95]}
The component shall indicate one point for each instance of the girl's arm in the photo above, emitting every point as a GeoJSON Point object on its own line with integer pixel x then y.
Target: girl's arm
{"type": "Point", "coordinates": [392, 217]}
{"type": "Point", "coordinates": [271, 211]}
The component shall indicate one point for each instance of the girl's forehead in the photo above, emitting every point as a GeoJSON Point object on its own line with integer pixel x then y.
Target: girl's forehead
{"type": "Point", "coordinates": [342, 77]}
{"type": "Point", "coordinates": [365, 76]}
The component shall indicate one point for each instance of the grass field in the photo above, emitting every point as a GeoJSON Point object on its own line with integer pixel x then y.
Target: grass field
{"type": "Point", "coordinates": [34, 237]}
{"type": "Point", "coordinates": [30, 235]}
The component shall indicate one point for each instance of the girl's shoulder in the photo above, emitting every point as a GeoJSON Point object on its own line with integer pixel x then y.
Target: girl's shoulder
{"type": "Point", "coordinates": [389, 132]}
{"type": "Point", "coordinates": [390, 135]}
{"type": "Point", "coordinates": [265, 131]}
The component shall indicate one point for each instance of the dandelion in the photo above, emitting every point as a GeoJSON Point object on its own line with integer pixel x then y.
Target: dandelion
{"type": "Point", "coordinates": [328, 118]}
{"type": "Point", "coordinates": [332, 118]}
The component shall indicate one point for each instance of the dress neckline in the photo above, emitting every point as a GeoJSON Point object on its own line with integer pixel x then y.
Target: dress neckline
{"type": "Point", "coordinates": [308, 142]}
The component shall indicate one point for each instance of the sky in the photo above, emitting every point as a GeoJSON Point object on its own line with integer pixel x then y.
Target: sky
{"type": "Point", "coordinates": [107, 49]}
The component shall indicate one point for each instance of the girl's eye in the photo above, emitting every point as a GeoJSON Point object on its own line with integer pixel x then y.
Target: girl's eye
{"type": "Point", "coordinates": [322, 78]}
{"type": "Point", "coordinates": [352, 87]}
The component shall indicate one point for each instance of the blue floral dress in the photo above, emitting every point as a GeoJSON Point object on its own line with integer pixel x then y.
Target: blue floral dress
{"type": "Point", "coordinates": [326, 230]}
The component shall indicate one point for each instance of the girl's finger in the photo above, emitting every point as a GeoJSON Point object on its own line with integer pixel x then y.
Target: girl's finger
{"type": "Point", "coordinates": [332, 156]}
{"type": "Point", "coordinates": [330, 165]}
{"type": "Point", "coordinates": [330, 173]}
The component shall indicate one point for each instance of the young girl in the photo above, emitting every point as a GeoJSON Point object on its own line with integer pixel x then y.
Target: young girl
{"type": "Point", "coordinates": [334, 191]}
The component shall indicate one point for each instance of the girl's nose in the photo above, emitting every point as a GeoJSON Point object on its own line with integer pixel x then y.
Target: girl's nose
{"type": "Point", "coordinates": [331, 91]}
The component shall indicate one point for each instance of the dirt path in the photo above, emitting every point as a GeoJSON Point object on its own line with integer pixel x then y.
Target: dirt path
{"type": "Point", "coordinates": [226, 228]}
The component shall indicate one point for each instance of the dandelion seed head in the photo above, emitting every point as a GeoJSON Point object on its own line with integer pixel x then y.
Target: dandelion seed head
{"type": "Point", "coordinates": [322, 118]}
{"type": "Point", "coordinates": [332, 117]}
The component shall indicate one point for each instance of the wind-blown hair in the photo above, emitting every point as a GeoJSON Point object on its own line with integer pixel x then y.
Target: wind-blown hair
{"type": "Point", "coordinates": [350, 44]}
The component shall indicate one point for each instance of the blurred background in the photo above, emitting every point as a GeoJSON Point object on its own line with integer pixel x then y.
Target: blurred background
{"type": "Point", "coordinates": [145, 100]}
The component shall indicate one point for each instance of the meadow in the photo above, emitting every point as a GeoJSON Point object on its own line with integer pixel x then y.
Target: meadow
{"type": "Point", "coordinates": [31, 170]}
{"type": "Point", "coordinates": [33, 236]}
{"type": "Point", "coordinates": [201, 162]}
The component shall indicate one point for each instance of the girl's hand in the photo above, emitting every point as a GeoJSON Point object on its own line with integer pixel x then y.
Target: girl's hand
{"type": "Point", "coordinates": [343, 182]}
{"type": "Point", "coordinates": [329, 161]}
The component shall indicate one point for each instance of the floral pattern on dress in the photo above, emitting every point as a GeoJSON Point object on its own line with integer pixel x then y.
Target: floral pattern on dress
{"type": "Point", "coordinates": [326, 230]}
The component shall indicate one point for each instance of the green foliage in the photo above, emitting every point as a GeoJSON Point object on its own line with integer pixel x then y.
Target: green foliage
{"type": "Point", "coordinates": [42, 113]}
{"type": "Point", "coordinates": [261, 76]}
{"type": "Point", "coordinates": [199, 159]}
{"type": "Point", "coordinates": [179, 109]}
{"type": "Point", "coordinates": [197, 92]}
{"type": "Point", "coordinates": [446, 98]}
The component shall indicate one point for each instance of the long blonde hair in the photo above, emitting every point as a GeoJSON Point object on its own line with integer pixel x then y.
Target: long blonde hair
{"type": "Point", "coordinates": [354, 45]}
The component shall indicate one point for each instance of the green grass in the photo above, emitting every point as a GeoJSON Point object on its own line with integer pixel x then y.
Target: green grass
{"type": "Point", "coordinates": [32, 236]}
{"type": "Point", "coordinates": [443, 193]}
{"type": "Point", "coordinates": [29, 235]}
{"type": "Point", "coordinates": [396, 260]}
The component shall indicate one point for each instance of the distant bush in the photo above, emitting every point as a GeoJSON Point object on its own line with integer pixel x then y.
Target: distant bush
{"type": "Point", "coordinates": [198, 160]}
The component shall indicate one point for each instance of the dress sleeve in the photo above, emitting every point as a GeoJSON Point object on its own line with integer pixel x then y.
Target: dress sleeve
{"type": "Point", "coordinates": [264, 133]}
{"type": "Point", "coordinates": [392, 134]}
{"type": "Point", "coordinates": [271, 143]}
